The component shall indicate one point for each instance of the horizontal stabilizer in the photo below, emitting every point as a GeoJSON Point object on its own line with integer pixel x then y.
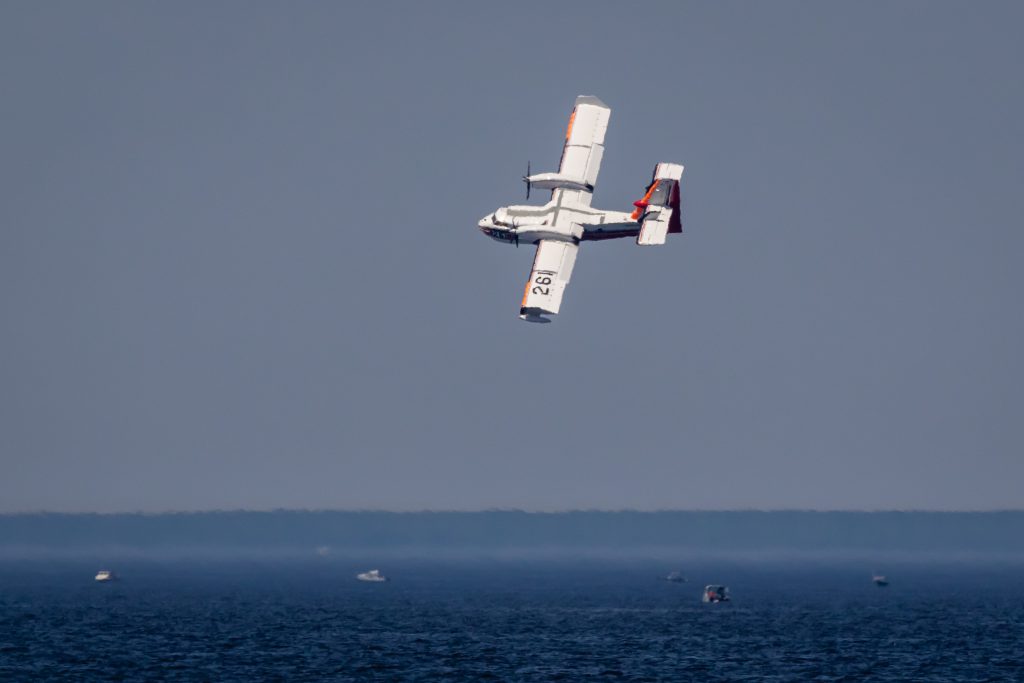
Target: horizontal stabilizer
{"type": "Point", "coordinates": [654, 227]}
{"type": "Point", "coordinates": [668, 171]}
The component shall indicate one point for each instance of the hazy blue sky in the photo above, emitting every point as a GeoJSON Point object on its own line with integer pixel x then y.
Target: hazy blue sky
{"type": "Point", "coordinates": [239, 262]}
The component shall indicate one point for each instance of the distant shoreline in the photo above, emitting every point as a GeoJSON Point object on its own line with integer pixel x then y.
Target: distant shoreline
{"type": "Point", "coordinates": [507, 531]}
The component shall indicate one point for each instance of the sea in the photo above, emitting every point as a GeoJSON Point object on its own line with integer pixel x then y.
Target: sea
{"type": "Point", "coordinates": [509, 619]}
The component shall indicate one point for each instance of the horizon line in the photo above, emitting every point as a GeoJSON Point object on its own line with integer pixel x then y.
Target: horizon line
{"type": "Point", "coordinates": [566, 511]}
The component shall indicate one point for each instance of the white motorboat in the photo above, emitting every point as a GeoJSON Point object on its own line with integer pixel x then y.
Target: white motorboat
{"type": "Point", "coordinates": [373, 576]}
{"type": "Point", "coordinates": [674, 577]}
{"type": "Point", "coordinates": [880, 580]}
{"type": "Point", "coordinates": [105, 575]}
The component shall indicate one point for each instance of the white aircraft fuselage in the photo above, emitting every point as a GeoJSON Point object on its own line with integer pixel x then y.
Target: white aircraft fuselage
{"type": "Point", "coordinates": [568, 217]}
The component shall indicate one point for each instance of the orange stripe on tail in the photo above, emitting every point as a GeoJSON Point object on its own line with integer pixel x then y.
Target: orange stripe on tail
{"type": "Point", "coordinates": [642, 204]}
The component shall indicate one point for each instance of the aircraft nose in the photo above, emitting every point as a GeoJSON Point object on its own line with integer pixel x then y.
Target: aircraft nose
{"type": "Point", "coordinates": [485, 225]}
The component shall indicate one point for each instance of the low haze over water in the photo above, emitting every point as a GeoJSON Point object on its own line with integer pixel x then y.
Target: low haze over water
{"type": "Point", "coordinates": [519, 620]}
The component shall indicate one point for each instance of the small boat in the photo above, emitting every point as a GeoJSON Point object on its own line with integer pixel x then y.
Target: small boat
{"type": "Point", "coordinates": [715, 593]}
{"type": "Point", "coordinates": [373, 576]}
{"type": "Point", "coordinates": [880, 580]}
{"type": "Point", "coordinates": [674, 577]}
{"type": "Point", "coordinates": [105, 575]}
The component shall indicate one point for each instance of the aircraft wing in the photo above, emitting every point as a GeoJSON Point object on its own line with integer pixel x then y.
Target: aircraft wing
{"type": "Point", "coordinates": [552, 268]}
{"type": "Point", "coordinates": [584, 140]}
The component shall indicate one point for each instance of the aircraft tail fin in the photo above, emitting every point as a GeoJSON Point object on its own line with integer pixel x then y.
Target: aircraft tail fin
{"type": "Point", "coordinates": [658, 211]}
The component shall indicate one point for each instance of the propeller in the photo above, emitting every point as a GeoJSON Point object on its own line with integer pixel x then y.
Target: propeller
{"type": "Point", "coordinates": [526, 179]}
{"type": "Point", "coordinates": [515, 226]}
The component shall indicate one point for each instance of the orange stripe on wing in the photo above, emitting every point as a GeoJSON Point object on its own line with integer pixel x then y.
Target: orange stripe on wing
{"type": "Point", "coordinates": [529, 280]}
{"type": "Point", "coordinates": [572, 119]}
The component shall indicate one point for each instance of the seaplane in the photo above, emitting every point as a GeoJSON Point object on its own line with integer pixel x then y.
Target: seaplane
{"type": "Point", "coordinates": [567, 219]}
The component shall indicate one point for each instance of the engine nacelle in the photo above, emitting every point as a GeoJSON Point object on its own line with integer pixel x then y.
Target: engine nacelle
{"type": "Point", "coordinates": [552, 181]}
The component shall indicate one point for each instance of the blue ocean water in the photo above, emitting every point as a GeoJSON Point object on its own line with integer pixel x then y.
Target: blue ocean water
{"type": "Point", "coordinates": [508, 620]}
